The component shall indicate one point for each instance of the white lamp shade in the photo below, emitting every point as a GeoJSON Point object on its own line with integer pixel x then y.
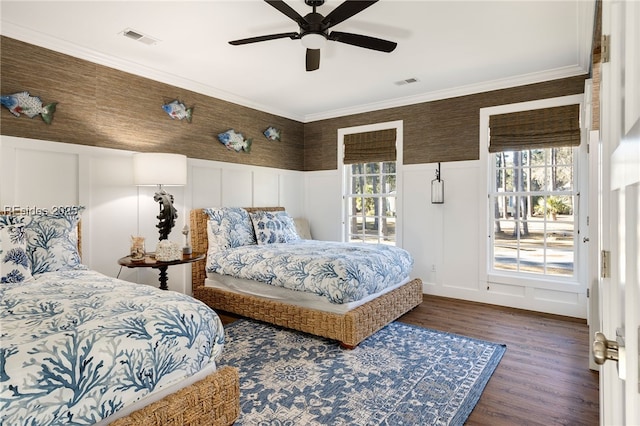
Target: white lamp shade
{"type": "Point", "coordinates": [159, 169]}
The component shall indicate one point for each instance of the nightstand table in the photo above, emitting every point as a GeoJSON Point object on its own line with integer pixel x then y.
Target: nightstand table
{"type": "Point", "coordinates": [150, 261]}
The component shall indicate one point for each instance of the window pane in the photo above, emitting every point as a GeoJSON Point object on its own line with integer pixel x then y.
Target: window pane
{"type": "Point", "coordinates": [371, 202]}
{"type": "Point", "coordinates": [537, 157]}
{"type": "Point", "coordinates": [357, 184]}
{"type": "Point", "coordinates": [534, 233]}
{"type": "Point", "coordinates": [563, 156]}
{"type": "Point", "coordinates": [372, 185]}
{"type": "Point", "coordinates": [355, 224]}
{"type": "Point", "coordinates": [388, 184]}
{"type": "Point", "coordinates": [507, 159]}
{"type": "Point", "coordinates": [563, 178]}
{"type": "Point", "coordinates": [389, 206]}
{"type": "Point", "coordinates": [372, 168]}
{"type": "Point", "coordinates": [389, 167]}
{"type": "Point", "coordinates": [508, 181]}
{"type": "Point", "coordinates": [538, 179]}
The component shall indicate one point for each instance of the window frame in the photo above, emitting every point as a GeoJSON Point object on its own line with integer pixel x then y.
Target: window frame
{"type": "Point", "coordinates": [345, 184]}
{"type": "Point", "coordinates": [513, 284]}
{"type": "Point", "coordinates": [378, 196]}
{"type": "Point", "coordinates": [574, 193]}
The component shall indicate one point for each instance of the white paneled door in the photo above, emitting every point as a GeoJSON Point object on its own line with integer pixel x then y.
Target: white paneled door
{"type": "Point", "coordinates": [620, 155]}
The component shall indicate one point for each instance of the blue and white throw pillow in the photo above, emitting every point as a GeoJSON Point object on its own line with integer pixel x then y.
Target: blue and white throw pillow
{"type": "Point", "coordinates": [14, 262]}
{"type": "Point", "coordinates": [52, 240]}
{"type": "Point", "coordinates": [274, 227]}
{"type": "Point", "coordinates": [229, 227]}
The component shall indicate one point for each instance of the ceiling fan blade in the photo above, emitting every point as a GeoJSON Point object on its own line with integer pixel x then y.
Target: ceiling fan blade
{"type": "Point", "coordinates": [313, 59]}
{"type": "Point", "coordinates": [290, 12]}
{"type": "Point", "coordinates": [363, 41]}
{"type": "Point", "coordinates": [292, 36]}
{"type": "Point", "coordinates": [345, 11]}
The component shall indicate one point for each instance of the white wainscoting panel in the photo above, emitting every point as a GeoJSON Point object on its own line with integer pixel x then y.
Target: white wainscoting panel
{"type": "Point", "coordinates": [42, 173]}
{"type": "Point", "coordinates": [423, 230]}
{"type": "Point", "coordinates": [323, 204]}
{"type": "Point", "coordinates": [292, 193]}
{"type": "Point", "coordinates": [237, 187]}
{"type": "Point", "coordinates": [266, 188]}
{"type": "Point", "coordinates": [460, 230]}
{"type": "Point", "coordinates": [206, 185]}
{"type": "Point", "coordinates": [59, 188]}
{"type": "Point", "coordinates": [113, 215]}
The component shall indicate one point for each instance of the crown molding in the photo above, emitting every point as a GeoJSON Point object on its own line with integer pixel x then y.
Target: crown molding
{"type": "Point", "coordinates": [62, 46]}
{"type": "Point", "coordinates": [58, 45]}
{"type": "Point", "coordinates": [488, 86]}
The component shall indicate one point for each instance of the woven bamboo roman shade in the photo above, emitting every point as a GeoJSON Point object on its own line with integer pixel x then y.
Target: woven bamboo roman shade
{"type": "Point", "coordinates": [534, 129]}
{"type": "Point", "coordinates": [370, 147]}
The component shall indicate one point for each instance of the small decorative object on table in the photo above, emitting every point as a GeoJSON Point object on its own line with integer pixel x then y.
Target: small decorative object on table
{"type": "Point", "coordinates": [167, 251]}
{"type": "Point", "coordinates": [28, 105]}
{"type": "Point", "coordinates": [235, 141]}
{"type": "Point", "coordinates": [137, 248]}
{"type": "Point", "coordinates": [272, 133]}
{"type": "Point", "coordinates": [187, 246]}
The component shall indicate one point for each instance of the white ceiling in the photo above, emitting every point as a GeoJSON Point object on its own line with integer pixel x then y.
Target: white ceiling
{"type": "Point", "coordinates": [451, 47]}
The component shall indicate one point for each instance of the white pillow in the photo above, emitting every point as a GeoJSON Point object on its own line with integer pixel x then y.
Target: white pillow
{"type": "Point", "coordinates": [302, 227]}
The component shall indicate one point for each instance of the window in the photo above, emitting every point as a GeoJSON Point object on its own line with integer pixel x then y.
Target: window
{"type": "Point", "coordinates": [371, 182]}
{"type": "Point", "coordinates": [534, 201]}
{"type": "Point", "coordinates": [371, 202]}
{"type": "Point", "coordinates": [533, 194]}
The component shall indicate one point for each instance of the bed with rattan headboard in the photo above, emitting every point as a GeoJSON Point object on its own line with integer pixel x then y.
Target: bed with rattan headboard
{"type": "Point", "coordinates": [349, 328]}
{"type": "Point", "coordinates": [209, 398]}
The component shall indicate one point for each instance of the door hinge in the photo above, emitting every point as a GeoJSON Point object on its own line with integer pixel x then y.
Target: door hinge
{"type": "Point", "coordinates": [605, 48]}
{"type": "Point", "coordinates": [588, 293]}
{"type": "Point", "coordinates": [605, 264]}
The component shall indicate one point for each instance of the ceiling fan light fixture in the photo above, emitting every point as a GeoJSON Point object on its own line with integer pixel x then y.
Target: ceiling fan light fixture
{"type": "Point", "coordinates": [313, 40]}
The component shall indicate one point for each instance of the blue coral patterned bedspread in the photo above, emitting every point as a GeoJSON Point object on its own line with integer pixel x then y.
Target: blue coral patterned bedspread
{"type": "Point", "coordinates": [341, 272]}
{"type": "Point", "coordinates": [78, 346]}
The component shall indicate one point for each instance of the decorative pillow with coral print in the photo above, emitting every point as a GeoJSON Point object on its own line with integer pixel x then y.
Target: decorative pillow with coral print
{"type": "Point", "coordinates": [229, 227]}
{"type": "Point", "coordinates": [14, 262]}
{"type": "Point", "coordinates": [274, 227]}
{"type": "Point", "coordinates": [52, 241]}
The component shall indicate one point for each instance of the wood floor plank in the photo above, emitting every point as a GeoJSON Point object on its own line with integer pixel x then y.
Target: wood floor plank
{"type": "Point", "coordinates": [543, 378]}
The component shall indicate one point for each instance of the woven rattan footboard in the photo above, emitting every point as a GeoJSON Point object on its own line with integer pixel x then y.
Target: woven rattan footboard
{"type": "Point", "coordinates": [213, 401]}
{"type": "Point", "coordinates": [349, 329]}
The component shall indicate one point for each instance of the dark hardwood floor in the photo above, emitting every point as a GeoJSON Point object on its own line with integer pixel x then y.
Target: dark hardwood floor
{"type": "Point", "coordinates": [544, 376]}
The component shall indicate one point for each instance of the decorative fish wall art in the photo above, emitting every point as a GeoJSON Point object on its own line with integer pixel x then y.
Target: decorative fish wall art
{"type": "Point", "coordinates": [23, 103]}
{"type": "Point", "coordinates": [178, 110]}
{"type": "Point", "coordinates": [272, 133]}
{"type": "Point", "coordinates": [235, 141]}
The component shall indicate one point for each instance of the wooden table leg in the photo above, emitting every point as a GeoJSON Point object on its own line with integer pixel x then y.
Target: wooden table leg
{"type": "Point", "coordinates": [163, 277]}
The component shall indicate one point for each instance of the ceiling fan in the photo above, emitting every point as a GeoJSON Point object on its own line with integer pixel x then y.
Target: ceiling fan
{"type": "Point", "coordinates": [314, 29]}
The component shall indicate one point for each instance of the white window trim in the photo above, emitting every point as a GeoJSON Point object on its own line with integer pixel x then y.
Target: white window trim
{"type": "Point", "coordinates": [398, 125]}
{"type": "Point", "coordinates": [577, 283]}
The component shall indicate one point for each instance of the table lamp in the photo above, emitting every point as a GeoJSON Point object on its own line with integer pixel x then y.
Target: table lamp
{"type": "Point", "coordinates": [159, 169]}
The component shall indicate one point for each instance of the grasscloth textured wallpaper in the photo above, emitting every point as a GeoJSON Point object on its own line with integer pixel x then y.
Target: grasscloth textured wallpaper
{"type": "Point", "coordinates": [443, 130]}
{"type": "Point", "coordinates": [101, 106]}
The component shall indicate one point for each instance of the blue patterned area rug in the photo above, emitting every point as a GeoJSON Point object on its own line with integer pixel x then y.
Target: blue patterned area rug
{"type": "Point", "coordinates": [402, 375]}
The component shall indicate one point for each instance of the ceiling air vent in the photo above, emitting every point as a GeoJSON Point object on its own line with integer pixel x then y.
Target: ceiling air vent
{"type": "Point", "coordinates": [138, 36]}
{"type": "Point", "coordinates": [407, 81]}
